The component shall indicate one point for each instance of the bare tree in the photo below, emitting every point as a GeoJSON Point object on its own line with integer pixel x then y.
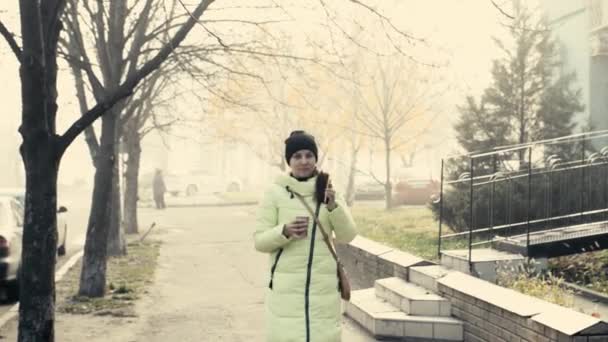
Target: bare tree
{"type": "Point", "coordinates": [400, 94]}
{"type": "Point", "coordinates": [139, 120]}
{"type": "Point", "coordinates": [42, 150]}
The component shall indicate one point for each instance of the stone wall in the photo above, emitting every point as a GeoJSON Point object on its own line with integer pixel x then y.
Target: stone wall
{"type": "Point", "coordinates": [494, 313]}
{"type": "Point", "coordinates": [489, 312]}
{"type": "Point", "coordinates": [366, 260]}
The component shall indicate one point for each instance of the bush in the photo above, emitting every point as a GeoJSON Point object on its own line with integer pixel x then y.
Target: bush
{"type": "Point", "coordinates": [545, 286]}
{"type": "Point", "coordinates": [586, 269]}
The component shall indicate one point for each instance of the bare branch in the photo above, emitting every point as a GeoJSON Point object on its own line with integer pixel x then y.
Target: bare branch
{"type": "Point", "coordinates": [219, 40]}
{"type": "Point", "coordinates": [10, 39]}
{"type": "Point", "coordinates": [158, 126]}
{"type": "Point", "coordinates": [384, 19]}
{"type": "Point", "coordinates": [501, 10]}
{"type": "Point", "coordinates": [127, 87]}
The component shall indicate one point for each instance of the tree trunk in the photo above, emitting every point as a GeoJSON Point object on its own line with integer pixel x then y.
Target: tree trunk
{"type": "Point", "coordinates": [37, 271]}
{"type": "Point", "coordinates": [350, 187]}
{"type": "Point", "coordinates": [133, 146]}
{"type": "Point", "coordinates": [116, 238]}
{"type": "Point", "coordinates": [93, 276]}
{"type": "Point", "coordinates": [388, 186]}
{"type": "Point", "coordinates": [41, 153]}
{"type": "Point", "coordinates": [89, 132]}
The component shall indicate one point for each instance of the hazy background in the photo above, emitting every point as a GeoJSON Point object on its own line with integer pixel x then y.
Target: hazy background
{"type": "Point", "coordinates": [457, 31]}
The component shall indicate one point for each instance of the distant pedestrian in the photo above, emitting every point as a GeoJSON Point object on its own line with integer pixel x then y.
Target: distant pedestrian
{"type": "Point", "coordinates": [159, 189]}
{"type": "Point", "coordinates": [302, 299]}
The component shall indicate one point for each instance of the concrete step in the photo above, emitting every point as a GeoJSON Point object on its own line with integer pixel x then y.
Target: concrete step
{"type": "Point", "coordinates": [485, 262]}
{"type": "Point", "coordinates": [412, 299]}
{"type": "Point", "coordinates": [384, 320]}
{"type": "Point", "coordinates": [426, 276]}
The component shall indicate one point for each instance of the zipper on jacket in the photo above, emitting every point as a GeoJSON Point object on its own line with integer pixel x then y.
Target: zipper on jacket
{"type": "Point", "coordinates": [274, 266]}
{"type": "Point", "coordinates": [309, 273]}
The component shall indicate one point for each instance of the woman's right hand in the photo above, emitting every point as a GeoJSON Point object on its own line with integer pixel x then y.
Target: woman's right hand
{"type": "Point", "coordinates": [296, 229]}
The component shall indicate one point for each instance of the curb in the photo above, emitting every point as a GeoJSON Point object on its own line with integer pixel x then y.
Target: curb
{"type": "Point", "coordinates": [14, 310]}
{"type": "Point", "coordinates": [587, 293]}
{"type": "Point", "coordinates": [199, 205]}
{"type": "Point", "coordinates": [236, 204]}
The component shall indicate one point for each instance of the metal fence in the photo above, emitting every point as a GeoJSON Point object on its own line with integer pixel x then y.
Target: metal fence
{"type": "Point", "coordinates": [522, 189]}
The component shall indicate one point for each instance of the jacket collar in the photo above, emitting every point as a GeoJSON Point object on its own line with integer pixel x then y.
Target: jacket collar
{"type": "Point", "coordinates": [304, 188]}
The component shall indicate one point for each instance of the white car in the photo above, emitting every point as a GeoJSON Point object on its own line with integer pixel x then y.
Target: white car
{"type": "Point", "coordinates": [200, 182]}
{"type": "Point", "coordinates": [18, 194]}
{"type": "Point", "coordinates": [11, 235]}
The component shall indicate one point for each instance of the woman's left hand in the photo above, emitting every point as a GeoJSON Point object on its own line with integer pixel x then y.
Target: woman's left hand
{"type": "Point", "coordinates": [330, 195]}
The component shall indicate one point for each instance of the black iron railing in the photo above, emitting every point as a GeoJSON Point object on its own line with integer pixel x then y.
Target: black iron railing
{"type": "Point", "coordinates": [523, 189]}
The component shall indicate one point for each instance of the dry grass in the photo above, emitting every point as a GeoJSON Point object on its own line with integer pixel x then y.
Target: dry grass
{"type": "Point", "coordinates": [127, 277]}
{"type": "Point", "coordinates": [543, 286]}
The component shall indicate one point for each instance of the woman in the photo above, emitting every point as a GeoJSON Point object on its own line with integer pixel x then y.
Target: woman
{"type": "Point", "coordinates": [303, 299]}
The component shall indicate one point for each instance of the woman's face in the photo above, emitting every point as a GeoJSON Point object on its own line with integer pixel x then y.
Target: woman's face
{"type": "Point", "coordinates": [302, 163]}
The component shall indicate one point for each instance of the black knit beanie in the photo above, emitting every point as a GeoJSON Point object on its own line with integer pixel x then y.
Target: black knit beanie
{"type": "Point", "coordinates": [300, 140]}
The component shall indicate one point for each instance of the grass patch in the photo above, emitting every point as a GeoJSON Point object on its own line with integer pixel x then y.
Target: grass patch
{"type": "Point", "coordinates": [127, 279]}
{"type": "Point", "coordinates": [410, 228]}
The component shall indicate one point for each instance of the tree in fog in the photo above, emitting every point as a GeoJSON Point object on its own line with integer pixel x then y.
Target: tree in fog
{"type": "Point", "coordinates": [530, 97]}
{"type": "Point", "coordinates": [43, 148]}
{"type": "Point", "coordinates": [124, 35]}
{"type": "Point", "coordinates": [42, 23]}
{"type": "Point", "coordinates": [397, 105]}
{"type": "Point", "coordinates": [135, 34]}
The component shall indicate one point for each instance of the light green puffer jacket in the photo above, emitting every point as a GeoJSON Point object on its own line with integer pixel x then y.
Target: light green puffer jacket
{"type": "Point", "coordinates": [295, 311]}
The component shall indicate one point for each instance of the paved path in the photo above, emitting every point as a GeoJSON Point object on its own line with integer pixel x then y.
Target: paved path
{"type": "Point", "coordinates": [210, 281]}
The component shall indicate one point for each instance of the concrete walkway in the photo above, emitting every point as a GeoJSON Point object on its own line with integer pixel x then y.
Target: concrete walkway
{"type": "Point", "coordinates": [210, 281]}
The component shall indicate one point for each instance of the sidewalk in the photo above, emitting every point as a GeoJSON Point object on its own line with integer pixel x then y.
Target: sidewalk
{"type": "Point", "coordinates": [210, 283]}
{"type": "Point", "coordinates": [209, 286]}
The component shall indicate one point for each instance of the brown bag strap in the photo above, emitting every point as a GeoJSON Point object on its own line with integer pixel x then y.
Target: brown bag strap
{"type": "Point", "coordinates": [325, 236]}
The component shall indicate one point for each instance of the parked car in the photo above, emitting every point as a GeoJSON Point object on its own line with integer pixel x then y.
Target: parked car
{"type": "Point", "coordinates": [18, 194]}
{"type": "Point", "coordinates": [189, 183]}
{"type": "Point", "coordinates": [368, 188]}
{"type": "Point", "coordinates": [200, 181]}
{"type": "Point", "coordinates": [11, 234]}
{"type": "Point", "coordinates": [415, 191]}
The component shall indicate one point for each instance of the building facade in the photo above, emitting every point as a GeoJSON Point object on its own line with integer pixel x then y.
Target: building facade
{"type": "Point", "coordinates": [581, 29]}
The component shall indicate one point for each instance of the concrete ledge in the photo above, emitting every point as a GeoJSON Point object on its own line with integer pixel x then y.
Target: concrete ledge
{"type": "Point", "coordinates": [427, 276]}
{"type": "Point", "coordinates": [401, 262]}
{"type": "Point", "coordinates": [489, 312]}
{"type": "Point", "coordinates": [366, 261]}
{"type": "Point", "coordinates": [524, 307]}
{"type": "Point", "coordinates": [369, 248]}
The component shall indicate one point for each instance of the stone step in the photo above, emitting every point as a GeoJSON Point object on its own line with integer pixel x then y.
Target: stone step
{"type": "Point", "coordinates": [384, 320]}
{"type": "Point", "coordinates": [426, 276]}
{"type": "Point", "coordinates": [412, 299]}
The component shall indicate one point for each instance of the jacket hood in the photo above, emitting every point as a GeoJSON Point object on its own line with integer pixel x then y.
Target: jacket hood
{"type": "Point", "coordinates": [305, 188]}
